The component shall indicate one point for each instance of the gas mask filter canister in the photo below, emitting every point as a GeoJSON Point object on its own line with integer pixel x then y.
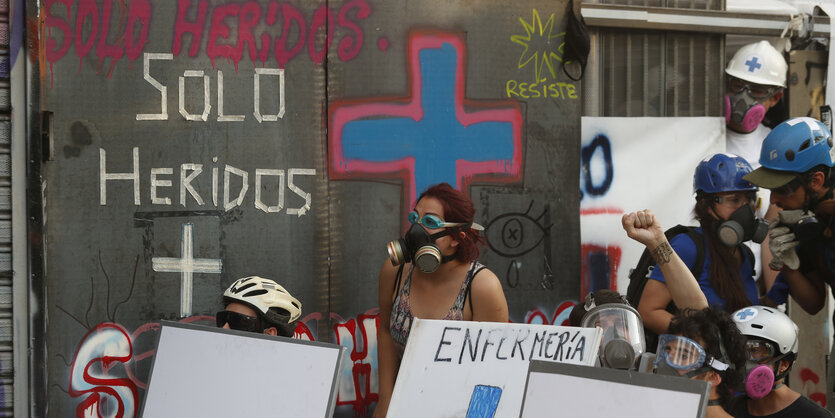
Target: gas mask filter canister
{"type": "Point", "coordinates": [742, 226]}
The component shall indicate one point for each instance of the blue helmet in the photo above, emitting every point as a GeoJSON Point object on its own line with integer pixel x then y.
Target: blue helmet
{"type": "Point", "coordinates": [722, 173]}
{"type": "Point", "coordinates": [793, 147]}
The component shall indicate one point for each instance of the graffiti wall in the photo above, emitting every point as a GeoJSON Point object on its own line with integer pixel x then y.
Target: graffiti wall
{"type": "Point", "coordinates": [195, 142]}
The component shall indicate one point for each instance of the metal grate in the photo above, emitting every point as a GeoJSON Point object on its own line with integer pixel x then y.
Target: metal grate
{"type": "Point", "coordinates": [655, 73]}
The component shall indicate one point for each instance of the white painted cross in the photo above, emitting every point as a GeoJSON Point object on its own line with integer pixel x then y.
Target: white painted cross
{"type": "Point", "coordinates": [187, 265]}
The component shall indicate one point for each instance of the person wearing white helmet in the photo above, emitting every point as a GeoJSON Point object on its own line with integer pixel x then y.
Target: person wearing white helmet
{"type": "Point", "coordinates": [772, 348]}
{"type": "Point", "coordinates": [754, 81]}
{"type": "Point", "coordinates": [259, 305]}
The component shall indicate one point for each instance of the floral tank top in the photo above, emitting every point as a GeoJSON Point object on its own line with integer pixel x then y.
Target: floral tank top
{"type": "Point", "coordinates": [401, 319]}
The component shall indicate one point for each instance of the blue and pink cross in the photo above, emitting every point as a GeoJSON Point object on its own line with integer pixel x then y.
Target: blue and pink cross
{"type": "Point", "coordinates": [434, 135]}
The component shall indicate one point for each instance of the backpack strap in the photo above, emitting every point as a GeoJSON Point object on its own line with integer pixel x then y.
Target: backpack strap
{"type": "Point", "coordinates": [397, 281]}
{"type": "Point", "coordinates": [470, 285]}
{"type": "Point", "coordinates": [699, 240]}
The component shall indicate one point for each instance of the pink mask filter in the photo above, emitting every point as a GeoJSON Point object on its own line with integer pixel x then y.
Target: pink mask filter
{"type": "Point", "coordinates": [759, 382]}
{"type": "Point", "coordinates": [747, 117]}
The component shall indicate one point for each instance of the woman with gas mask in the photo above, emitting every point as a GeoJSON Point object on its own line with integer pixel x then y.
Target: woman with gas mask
{"type": "Point", "coordinates": [725, 211]}
{"type": "Point", "coordinates": [433, 273]}
{"type": "Point", "coordinates": [772, 346]}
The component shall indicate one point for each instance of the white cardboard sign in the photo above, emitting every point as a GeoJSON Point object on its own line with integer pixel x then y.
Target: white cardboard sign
{"type": "Point", "coordinates": [460, 368]}
{"type": "Point", "coordinates": [601, 392]}
{"type": "Point", "coordinates": [200, 371]}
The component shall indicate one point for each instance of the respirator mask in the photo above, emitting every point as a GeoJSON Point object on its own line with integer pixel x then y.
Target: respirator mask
{"type": "Point", "coordinates": [419, 247]}
{"type": "Point", "coordinates": [742, 226]}
{"type": "Point", "coordinates": [759, 373]}
{"type": "Point", "coordinates": [623, 334]}
{"type": "Point", "coordinates": [743, 103]}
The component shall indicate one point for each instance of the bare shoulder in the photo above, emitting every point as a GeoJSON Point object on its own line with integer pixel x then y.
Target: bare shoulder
{"type": "Point", "coordinates": [388, 272]}
{"type": "Point", "coordinates": [487, 282]}
{"type": "Point", "coordinates": [488, 299]}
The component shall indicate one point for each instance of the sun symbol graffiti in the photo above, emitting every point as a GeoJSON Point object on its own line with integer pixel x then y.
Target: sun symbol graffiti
{"type": "Point", "coordinates": [542, 46]}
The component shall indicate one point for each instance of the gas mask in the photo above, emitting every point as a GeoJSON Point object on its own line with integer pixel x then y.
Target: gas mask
{"type": "Point", "coordinates": [759, 380]}
{"type": "Point", "coordinates": [623, 334]}
{"type": "Point", "coordinates": [742, 226]}
{"type": "Point", "coordinates": [760, 373]}
{"type": "Point", "coordinates": [419, 247]}
{"type": "Point", "coordinates": [744, 111]}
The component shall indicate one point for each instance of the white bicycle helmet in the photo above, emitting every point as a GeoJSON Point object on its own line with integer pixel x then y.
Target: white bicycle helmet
{"type": "Point", "coordinates": [768, 324]}
{"type": "Point", "coordinates": [267, 297]}
{"type": "Point", "coordinates": [759, 63]}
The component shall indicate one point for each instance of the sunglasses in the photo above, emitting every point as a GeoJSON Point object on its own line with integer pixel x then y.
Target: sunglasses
{"type": "Point", "coordinates": [757, 91]}
{"type": "Point", "coordinates": [787, 189]}
{"type": "Point", "coordinates": [239, 321]}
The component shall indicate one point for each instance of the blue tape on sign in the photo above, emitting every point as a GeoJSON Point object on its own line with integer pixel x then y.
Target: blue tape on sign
{"type": "Point", "coordinates": [484, 402]}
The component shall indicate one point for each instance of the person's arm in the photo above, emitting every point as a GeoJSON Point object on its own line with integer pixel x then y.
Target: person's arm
{"type": "Point", "coordinates": [807, 290]}
{"type": "Point", "coordinates": [487, 298]}
{"type": "Point", "coordinates": [387, 356]}
{"type": "Point", "coordinates": [681, 287]}
{"type": "Point", "coordinates": [653, 307]}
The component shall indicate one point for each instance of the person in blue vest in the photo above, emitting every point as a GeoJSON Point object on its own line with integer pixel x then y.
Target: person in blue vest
{"type": "Point", "coordinates": [725, 211]}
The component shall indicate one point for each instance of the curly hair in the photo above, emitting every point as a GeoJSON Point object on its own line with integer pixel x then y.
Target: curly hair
{"type": "Point", "coordinates": [709, 327]}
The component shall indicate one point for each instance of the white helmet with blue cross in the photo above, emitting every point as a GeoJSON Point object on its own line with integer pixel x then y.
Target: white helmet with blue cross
{"type": "Point", "coordinates": [759, 63]}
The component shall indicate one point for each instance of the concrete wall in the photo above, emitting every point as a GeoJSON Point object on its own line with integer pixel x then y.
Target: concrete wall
{"type": "Point", "coordinates": [196, 142]}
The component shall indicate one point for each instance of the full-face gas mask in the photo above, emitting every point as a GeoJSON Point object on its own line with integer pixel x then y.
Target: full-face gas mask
{"type": "Point", "coordinates": [742, 226]}
{"type": "Point", "coordinates": [623, 334]}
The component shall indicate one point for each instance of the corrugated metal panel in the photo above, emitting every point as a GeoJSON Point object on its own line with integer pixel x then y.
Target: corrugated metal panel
{"type": "Point", "coordinates": [653, 73]}
{"type": "Point", "coordinates": [6, 336]}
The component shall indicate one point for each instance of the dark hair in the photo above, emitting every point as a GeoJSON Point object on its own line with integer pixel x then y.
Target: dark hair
{"type": "Point", "coordinates": [601, 297]}
{"type": "Point", "coordinates": [708, 327]}
{"type": "Point", "coordinates": [457, 208]}
{"type": "Point", "coordinates": [828, 178]}
{"type": "Point", "coordinates": [723, 274]}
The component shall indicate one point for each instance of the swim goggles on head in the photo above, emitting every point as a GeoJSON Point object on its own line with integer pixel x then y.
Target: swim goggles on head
{"type": "Point", "coordinates": [434, 222]}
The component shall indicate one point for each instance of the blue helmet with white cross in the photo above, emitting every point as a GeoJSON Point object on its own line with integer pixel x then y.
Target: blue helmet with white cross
{"type": "Point", "coordinates": [759, 63]}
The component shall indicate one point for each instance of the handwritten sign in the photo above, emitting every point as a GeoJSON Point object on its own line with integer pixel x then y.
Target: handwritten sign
{"type": "Point", "coordinates": [236, 373]}
{"type": "Point", "coordinates": [455, 368]}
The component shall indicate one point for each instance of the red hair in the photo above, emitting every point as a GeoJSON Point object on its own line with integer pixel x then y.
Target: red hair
{"type": "Point", "coordinates": [457, 208]}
